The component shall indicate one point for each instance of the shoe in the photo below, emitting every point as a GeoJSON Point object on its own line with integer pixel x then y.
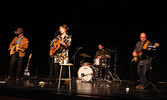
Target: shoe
{"type": "Point", "coordinates": [17, 78]}
{"type": "Point", "coordinates": [9, 78]}
{"type": "Point", "coordinates": [138, 87]}
{"type": "Point", "coordinates": [141, 87]}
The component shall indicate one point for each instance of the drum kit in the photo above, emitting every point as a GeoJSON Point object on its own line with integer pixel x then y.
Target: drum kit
{"type": "Point", "coordinates": [90, 72]}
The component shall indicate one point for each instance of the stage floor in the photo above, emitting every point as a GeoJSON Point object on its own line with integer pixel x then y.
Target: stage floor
{"type": "Point", "coordinates": [30, 89]}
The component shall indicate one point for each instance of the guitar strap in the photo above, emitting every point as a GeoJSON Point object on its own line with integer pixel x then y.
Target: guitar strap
{"type": "Point", "coordinates": [146, 44]}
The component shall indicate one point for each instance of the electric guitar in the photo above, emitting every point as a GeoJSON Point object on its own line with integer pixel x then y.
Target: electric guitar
{"type": "Point", "coordinates": [139, 54]}
{"type": "Point", "coordinates": [26, 72]}
{"type": "Point", "coordinates": [14, 48]}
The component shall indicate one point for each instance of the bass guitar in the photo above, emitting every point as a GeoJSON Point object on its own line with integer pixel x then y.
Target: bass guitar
{"type": "Point", "coordinates": [139, 54]}
{"type": "Point", "coordinates": [26, 72]}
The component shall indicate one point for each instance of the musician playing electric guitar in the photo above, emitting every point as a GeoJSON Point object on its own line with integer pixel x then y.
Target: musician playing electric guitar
{"type": "Point", "coordinates": [144, 62]}
{"type": "Point", "coordinates": [17, 51]}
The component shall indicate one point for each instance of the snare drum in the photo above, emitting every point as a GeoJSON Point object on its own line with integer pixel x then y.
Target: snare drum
{"type": "Point", "coordinates": [85, 64]}
{"type": "Point", "coordinates": [97, 61]}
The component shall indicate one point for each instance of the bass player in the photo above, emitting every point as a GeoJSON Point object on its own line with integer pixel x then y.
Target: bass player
{"type": "Point", "coordinates": [144, 63]}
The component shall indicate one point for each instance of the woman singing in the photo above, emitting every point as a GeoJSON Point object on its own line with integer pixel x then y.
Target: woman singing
{"type": "Point", "coordinates": [62, 43]}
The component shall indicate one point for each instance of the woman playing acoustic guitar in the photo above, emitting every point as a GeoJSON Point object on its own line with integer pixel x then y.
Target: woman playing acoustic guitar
{"type": "Point", "coordinates": [60, 48]}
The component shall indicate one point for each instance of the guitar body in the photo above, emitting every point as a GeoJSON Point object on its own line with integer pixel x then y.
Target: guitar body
{"type": "Point", "coordinates": [14, 49]}
{"type": "Point", "coordinates": [26, 73]}
{"type": "Point", "coordinates": [55, 47]}
{"type": "Point", "coordinates": [137, 58]}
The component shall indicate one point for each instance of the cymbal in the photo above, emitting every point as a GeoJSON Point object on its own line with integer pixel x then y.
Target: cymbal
{"type": "Point", "coordinates": [113, 51]}
{"type": "Point", "coordinates": [109, 50]}
{"type": "Point", "coordinates": [85, 55]}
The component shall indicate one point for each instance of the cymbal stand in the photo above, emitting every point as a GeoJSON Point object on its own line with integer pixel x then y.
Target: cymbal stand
{"type": "Point", "coordinates": [108, 74]}
{"type": "Point", "coordinates": [116, 78]}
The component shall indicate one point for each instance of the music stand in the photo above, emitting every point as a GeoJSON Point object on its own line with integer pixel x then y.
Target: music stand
{"type": "Point", "coordinates": [73, 57]}
{"type": "Point", "coordinates": [150, 83]}
{"type": "Point", "coordinates": [149, 52]}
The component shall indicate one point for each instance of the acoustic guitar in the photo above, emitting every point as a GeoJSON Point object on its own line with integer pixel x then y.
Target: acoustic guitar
{"type": "Point", "coordinates": [57, 45]}
{"type": "Point", "coordinates": [26, 72]}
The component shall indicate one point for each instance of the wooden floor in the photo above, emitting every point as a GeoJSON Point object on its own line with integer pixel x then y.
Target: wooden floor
{"type": "Point", "coordinates": [30, 89]}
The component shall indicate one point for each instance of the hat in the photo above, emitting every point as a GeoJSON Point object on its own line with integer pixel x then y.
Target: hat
{"type": "Point", "coordinates": [18, 31]}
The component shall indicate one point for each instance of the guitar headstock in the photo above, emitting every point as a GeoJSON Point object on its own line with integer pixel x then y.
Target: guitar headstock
{"type": "Point", "coordinates": [70, 36]}
{"type": "Point", "coordinates": [30, 56]}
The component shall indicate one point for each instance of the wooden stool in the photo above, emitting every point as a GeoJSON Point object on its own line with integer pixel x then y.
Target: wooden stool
{"type": "Point", "coordinates": [60, 78]}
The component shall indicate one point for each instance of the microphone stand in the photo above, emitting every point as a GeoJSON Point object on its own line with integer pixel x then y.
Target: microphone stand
{"type": "Point", "coordinates": [52, 56]}
{"type": "Point", "coordinates": [51, 61]}
{"type": "Point", "coordinates": [73, 57]}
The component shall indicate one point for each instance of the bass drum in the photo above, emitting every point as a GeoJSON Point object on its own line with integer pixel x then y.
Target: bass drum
{"type": "Point", "coordinates": [85, 73]}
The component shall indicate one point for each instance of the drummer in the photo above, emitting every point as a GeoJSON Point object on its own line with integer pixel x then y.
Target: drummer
{"type": "Point", "coordinates": [101, 53]}
{"type": "Point", "coordinates": [101, 57]}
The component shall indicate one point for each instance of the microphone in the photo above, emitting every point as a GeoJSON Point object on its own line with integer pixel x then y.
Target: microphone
{"type": "Point", "coordinates": [80, 48]}
{"type": "Point", "coordinates": [108, 49]}
{"type": "Point", "coordinates": [56, 33]}
{"type": "Point", "coordinates": [57, 30]}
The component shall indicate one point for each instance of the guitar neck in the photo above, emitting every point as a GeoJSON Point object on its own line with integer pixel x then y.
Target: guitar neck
{"type": "Point", "coordinates": [28, 62]}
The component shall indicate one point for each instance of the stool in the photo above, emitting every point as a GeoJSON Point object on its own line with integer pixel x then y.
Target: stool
{"type": "Point", "coordinates": [60, 78]}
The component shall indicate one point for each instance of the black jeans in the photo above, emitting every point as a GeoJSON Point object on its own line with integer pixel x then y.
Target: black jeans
{"type": "Point", "coordinates": [143, 67]}
{"type": "Point", "coordinates": [15, 60]}
{"type": "Point", "coordinates": [102, 71]}
{"type": "Point", "coordinates": [56, 69]}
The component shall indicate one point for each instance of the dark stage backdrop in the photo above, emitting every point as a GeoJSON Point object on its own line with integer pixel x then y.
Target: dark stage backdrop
{"type": "Point", "coordinates": [115, 24]}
